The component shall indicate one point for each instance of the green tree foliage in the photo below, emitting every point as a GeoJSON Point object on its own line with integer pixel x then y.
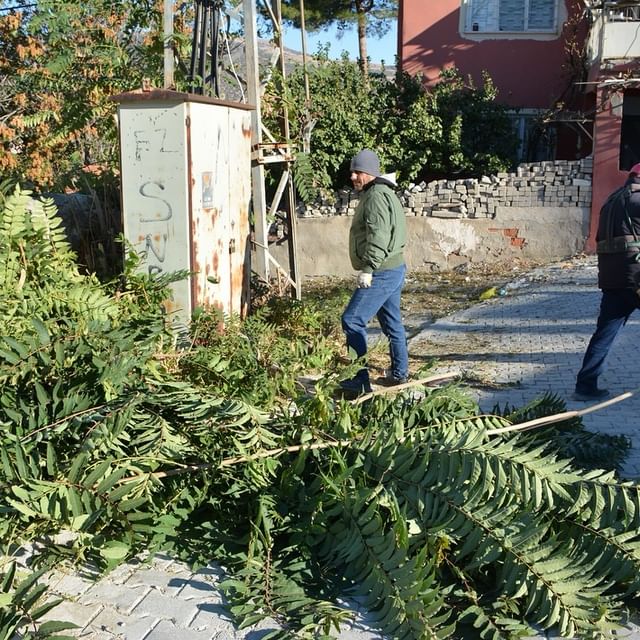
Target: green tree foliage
{"type": "Point", "coordinates": [451, 130]}
{"type": "Point", "coordinates": [61, 62]}
{"type": "Point", "coordinates": [372, 17]}
{"type": "Point", "coordinates": [478, 136]}
{"type": "Point", "coordinates": [424, 508]}
{"type": "Point", "coordinates": [344, 115]}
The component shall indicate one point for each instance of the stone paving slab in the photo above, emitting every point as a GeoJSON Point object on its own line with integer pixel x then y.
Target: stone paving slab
{"type": "Point", "coordinates": [159, 599]}
{"type": "Point", "coordinates": [531, 341]}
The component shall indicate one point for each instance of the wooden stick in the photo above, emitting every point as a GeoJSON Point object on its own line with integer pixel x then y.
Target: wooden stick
{"type": "Point", "coordinates": [229, 462]}
{"type": "Point", "coordinates": [405, 385]}
{"type": "Point", "coordinates": [560, 417]}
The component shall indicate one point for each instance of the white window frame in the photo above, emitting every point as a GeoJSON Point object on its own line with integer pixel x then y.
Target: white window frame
{"type": "Point", "coordinates": [487, 18]}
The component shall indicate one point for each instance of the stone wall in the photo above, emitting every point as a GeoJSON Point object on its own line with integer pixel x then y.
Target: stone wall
{"type": "Point", "coordinates": [559, 183]}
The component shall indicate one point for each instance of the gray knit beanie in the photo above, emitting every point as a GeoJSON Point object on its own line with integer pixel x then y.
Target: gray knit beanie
{"type": "Point", "coordinates": [366, 161]}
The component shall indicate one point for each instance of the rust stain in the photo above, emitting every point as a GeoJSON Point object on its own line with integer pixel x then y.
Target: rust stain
{"type": "Point", "coordinates": [170, 307]}
{"type": "Point", "coordinates": [237, 280]}
{"type": "Point", "coordinates": [199, 293]}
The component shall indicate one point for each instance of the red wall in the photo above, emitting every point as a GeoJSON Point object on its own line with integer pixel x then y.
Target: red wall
{"type": "Point", "coordinates": [527, 73]}
{"type": "Point", "coordinates": [606, 154]}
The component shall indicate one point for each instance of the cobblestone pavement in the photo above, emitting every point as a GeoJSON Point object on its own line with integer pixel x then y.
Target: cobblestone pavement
{"type": "Point", "coordinates": [158, 599]}
{"type": "Point", "coordinates": [529, 341]}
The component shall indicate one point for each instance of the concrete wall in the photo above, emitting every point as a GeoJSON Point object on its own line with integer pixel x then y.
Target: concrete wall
{"type": "Point", "coordinates": [534, 233]}
{"type": "Point", "coordinates": [540, 212]}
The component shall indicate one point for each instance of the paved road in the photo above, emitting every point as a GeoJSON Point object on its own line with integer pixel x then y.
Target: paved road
{"type": "Point", "coordinates": [532, 340]}
{"type": "Point", "coordinates": [160, 599]}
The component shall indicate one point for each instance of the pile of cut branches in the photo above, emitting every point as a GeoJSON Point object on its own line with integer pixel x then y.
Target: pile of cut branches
{"type": "Point", "coordinates": [214, 452]}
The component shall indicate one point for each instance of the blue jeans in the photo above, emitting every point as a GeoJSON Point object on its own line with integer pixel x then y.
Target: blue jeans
{"type": "Point", "coordinates": [615, 308]}
{"type": "Point", "coordinates": [381, 299]}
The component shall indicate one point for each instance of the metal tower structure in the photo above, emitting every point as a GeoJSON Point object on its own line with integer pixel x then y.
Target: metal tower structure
{"type": "Point", "coordinates": [268, 148]}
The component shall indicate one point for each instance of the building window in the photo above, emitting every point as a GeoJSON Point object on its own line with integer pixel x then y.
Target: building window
{"type": "Point", "coordinates": [512, 16]}
{"type": "Point", "coordinates": [623, 13]}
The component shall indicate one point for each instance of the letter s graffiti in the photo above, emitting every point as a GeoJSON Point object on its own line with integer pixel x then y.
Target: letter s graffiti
{"type": "Point", "coordinates": [144, 192]}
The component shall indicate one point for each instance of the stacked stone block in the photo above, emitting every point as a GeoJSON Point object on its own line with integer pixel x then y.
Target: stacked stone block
{"type": "Point", "coordinates": [557, 183]}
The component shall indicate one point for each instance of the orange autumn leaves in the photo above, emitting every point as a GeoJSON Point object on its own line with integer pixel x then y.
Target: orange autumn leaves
{"type": "Point", "coordinates": [57, 74]}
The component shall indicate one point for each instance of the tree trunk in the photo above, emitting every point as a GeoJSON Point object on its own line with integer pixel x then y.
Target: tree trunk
{"type": "Point", "coordinates": [361, 10]}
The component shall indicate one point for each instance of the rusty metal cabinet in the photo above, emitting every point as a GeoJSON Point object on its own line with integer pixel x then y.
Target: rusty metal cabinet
{"type": "Point", "coordinates": [186, 192]}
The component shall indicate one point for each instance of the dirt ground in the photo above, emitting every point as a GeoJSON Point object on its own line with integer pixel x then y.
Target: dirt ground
{"type": "Point", "coordinates": [426, 297]}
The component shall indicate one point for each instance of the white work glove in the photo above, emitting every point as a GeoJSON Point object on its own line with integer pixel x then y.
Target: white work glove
{"type": "Point", "coordinates": [364, 280]}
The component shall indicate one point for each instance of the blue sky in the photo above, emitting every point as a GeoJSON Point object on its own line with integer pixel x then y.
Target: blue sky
{"type": "Point", "coordinates": [378, 49]}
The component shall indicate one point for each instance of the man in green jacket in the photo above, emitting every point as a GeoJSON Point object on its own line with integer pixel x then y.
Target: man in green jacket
{"type": "Point", "coordinates": [376, 244]}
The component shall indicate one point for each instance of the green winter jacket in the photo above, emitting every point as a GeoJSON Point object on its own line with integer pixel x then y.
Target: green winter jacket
{"type": "Point", "coordinates": [378, 230]}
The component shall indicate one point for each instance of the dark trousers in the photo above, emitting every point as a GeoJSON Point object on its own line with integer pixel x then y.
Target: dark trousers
{"type": "Point", "coordinates": [615, 308]}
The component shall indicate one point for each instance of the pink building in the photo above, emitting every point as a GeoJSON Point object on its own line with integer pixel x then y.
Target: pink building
{"type": "Point", "coordinates": [567, 68]}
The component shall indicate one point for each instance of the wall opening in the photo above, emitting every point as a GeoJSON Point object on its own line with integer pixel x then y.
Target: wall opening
{"type": "Point", "coordinates": [511, 16]}
{"type": "Point", "coordinates": [630, 131]}
{"type": "Point", "coordinates": [537, 140]}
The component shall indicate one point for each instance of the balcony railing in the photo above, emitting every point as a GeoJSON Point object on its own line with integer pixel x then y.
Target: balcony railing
{"type": "Point", "coordinates": [619, 12]}
{"type": "Point", "coordinates": [617, 31]}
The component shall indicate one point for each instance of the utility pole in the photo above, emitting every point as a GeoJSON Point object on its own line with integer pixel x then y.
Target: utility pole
{"type": "Point", "coordinates": [303, 33]}
{"type": "Point", "coordinates": [261, 234]}
{"type": "Point", "coordinates": [287, 176]}
{"type": "Point", "coordinates": [168, 44]}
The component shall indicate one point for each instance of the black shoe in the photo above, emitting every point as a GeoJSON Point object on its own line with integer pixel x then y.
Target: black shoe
{"type": "Point", "coordinates": [586, 396]}
{"type": "Point", "coordinates": [389, 380]}
{"type": "Point", "coordinates": [354, 388]}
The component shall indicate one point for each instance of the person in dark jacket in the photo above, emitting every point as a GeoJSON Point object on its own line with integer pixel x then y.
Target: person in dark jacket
{"type": "Point", "coordinates": [618, 249]}
{"type": "Point", "coordinates": [376, 248]}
